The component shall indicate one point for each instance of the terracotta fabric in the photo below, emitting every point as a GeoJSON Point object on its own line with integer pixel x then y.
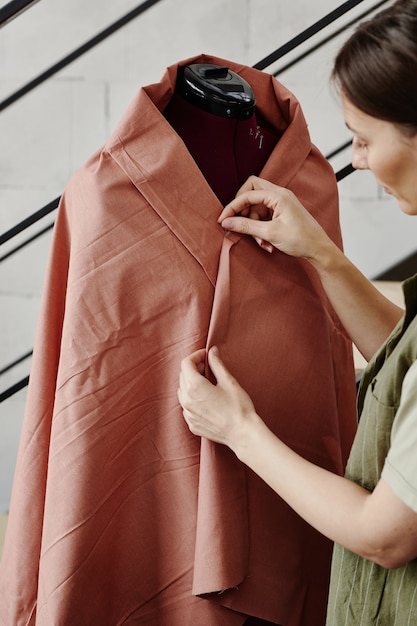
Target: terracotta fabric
{"type": "Point", "coordinates": [117, 516]}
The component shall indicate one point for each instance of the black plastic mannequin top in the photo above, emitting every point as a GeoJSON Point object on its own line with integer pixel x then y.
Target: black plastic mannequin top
{"type": "Point", "coordinates": [217, 90]}
{"type": "Point", "coordinates": [213, 111]}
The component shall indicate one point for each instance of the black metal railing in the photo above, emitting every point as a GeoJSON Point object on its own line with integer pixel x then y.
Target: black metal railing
{"type": "Point", "coordinates": [314, 29]}
{"type": "Point", "coordinates": [73, 56]}
{"type": "Point", "coordinates": [24, 224]}
{"type": "Point", "coordinates": [14, 9]}
{"type": "Point", "coordinates": [20, 5]}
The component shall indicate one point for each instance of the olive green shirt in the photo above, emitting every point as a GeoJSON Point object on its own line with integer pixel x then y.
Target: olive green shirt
{"type": "Point", "coordinates": [362, 592]}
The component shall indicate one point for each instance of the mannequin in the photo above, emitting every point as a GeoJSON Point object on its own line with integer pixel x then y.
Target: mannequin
{"type": "Point", "coordinates": [213, 111]}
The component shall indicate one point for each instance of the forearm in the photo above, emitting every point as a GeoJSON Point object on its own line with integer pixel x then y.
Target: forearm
{"type": "Point", "coordinates": [335, 506]}
{"type": "Point", "coordinates": [323, 499]}
{"type": "Point", "coordinates": [366, 314]}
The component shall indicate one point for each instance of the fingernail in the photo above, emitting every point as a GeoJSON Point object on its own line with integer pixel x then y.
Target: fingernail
{"type": "Point", "coordinates": [214, 350]}
{"type": "Point", "coordinates": [227, 223]}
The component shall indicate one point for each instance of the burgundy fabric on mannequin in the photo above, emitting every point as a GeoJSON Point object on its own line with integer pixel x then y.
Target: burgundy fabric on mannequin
{"type": "Point", "coordinates": [228, 144]}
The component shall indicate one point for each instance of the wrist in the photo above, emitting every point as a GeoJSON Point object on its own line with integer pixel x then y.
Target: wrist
{"type": "Point", "coordinates": [250, 437]}
{"type": "Point", "coordinates": [327, 257]}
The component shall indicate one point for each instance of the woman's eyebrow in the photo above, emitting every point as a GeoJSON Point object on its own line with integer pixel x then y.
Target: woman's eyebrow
{"type": "Point", "coordinates": [353, 131]}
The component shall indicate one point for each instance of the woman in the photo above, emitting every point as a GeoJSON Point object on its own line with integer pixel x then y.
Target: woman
{"type": "Point", "coordinates": [371, 514]}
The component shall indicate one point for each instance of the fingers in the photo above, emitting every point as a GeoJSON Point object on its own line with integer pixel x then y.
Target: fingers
{"type": "Point", "coordinates": [263, 232]}
{"type": "Point", "coordinates": [244, 204]}
{"type": "Point", "coordinates": [216, 364]}
{"type": "Point", "coordinates": [265, 245]}
{"type": "Point", "coordinates": [192, 383]}
{"type": "Point", "coordinates": [231, 209]}
{"type": "Point", "coordinates": [195, 362]}
{"type": "Point", "coordinates": [254, 182]}
{"type": "Point", "coordinates": [213, 411]}
{"type": "Point", "coordinates": [223, 376]}
{"type": "Point", "coordinates": [195, 393]}
{"type": "Point", "coordinates": [189, 419]}
{"type": "Point", "coordinates": [192, 368]}
{"type": "Point", "coordinates": [245, 201]}
{"type": "Point", "coordinates": [256, 204]}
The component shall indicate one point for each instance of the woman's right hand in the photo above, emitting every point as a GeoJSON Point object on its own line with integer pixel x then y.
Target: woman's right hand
{"type": "Point", "coordinates": [274, 217]}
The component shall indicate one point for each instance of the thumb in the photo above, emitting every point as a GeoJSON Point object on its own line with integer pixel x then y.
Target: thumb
{"type": "Point", "coordinates": [247, 226]}
{"type": "Point", "coordinates": [218, 368]}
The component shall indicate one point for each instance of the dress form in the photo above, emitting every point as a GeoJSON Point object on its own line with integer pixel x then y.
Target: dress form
{"type": "Point", "coordinates": [213, 111]}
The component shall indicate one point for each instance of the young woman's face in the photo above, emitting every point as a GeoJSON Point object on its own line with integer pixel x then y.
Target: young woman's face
{"type": "Point", "coordinates": [387, 152]}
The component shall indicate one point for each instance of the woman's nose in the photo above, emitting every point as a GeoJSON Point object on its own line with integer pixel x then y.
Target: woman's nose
{"type": "Point", "coordinates": [359, 161]}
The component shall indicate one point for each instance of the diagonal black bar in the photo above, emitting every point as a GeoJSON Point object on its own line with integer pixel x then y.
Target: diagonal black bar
{"type": "Point", "coordinates": [326, 40]}
{"type": "Point", "coordinates": [14, 389]}
{"type": "Point", "coordinates": [338, 150]}
{"type": "Point", "coordinates": [345, 171]}
{"type": "Point", "coordinates": [22, 358]}
{"type": "Point", "coordinates": [13, 9]}
{"type": "Point", "coordinates": [307, 33]}
{"type": "Point", "coordinates": [77, 53]}
{"type": "Point", "coordinates": [26, 242]}
{"type": "Point", "coordinates": [18, 228]}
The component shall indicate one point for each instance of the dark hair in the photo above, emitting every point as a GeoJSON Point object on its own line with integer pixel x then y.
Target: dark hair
{"type": "Point", "coordinates": [376, 69]}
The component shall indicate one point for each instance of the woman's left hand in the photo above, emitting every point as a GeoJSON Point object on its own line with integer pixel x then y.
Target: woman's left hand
{"type": "Point", "coordinates": [221, 412]}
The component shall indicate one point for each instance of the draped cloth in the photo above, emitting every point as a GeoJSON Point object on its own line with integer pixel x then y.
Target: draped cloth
{"type": "Point", "coordinates": [119, 515]}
